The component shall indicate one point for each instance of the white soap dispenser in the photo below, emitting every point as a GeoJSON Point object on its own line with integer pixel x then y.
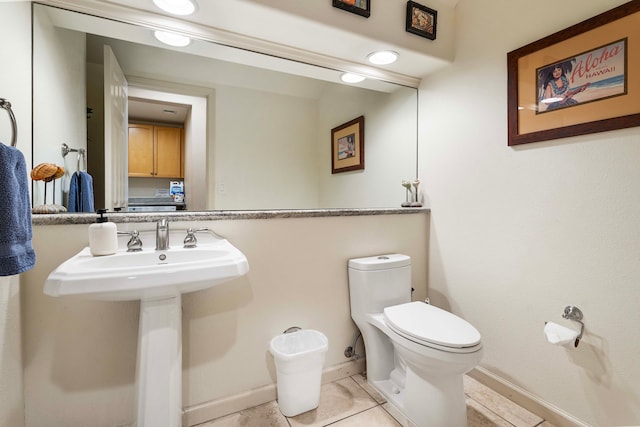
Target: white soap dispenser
{"type": "Point", "coordinates": [103, 236]}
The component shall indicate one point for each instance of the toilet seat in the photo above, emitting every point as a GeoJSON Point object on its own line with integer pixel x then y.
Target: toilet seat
{"type": "Point", "coordinates": [431, 326]}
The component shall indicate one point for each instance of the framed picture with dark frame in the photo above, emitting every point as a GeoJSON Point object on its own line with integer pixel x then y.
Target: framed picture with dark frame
{"type": "Point", "coordinates": [421, 20]}
{"type": "Point", "coordinates": [581, 80]}
{"type": "Point", "coordinates": [347, 146]}
{"type": "Point", "coordinates": [359, 7]}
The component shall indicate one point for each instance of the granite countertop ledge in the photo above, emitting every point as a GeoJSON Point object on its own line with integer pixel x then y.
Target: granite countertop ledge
{"type": "Point", "coordinates": [126, 217]}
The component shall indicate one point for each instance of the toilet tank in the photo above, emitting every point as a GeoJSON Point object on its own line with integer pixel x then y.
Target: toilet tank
{"type": "Point", "coordinates": [379, 281]}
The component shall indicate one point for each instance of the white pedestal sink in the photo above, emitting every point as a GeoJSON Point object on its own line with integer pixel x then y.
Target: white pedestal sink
{"type": "Point", "coordinates": [157, 278]}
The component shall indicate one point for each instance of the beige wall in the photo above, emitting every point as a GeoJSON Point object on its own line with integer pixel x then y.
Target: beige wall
{"type": "Point", "coordinates": [79, 356]}
{"type": "Point", "coordinates": [15, 86]}
{"type": "Point", "coordinates": [11, 385]}
{"type": "Point", "coordinates": [15, 72]}
{"type": "Point", "coordinates": [517, 234]}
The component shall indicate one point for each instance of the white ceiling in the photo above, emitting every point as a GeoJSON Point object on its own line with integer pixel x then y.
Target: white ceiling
{"type": "Point", "coordinates": [297, 30]}
{"type": "Point", "coordinates": [145, 110]}
{"type": "Point", "coordinates": [315, 26]}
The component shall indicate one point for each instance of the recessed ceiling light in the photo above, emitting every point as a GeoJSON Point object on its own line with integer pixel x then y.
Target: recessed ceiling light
{"type": "Point", "coordinates": [172, 39]}
{"type": "Point", "coordinates": [351, 78]}
{"type": "Point", "coordinates": [177, 7]}
{"type": "Point", "coordinates": [383, 57]}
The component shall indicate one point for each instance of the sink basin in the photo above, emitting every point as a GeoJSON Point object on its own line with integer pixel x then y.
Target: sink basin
{"type": "Point", "coordinates": [148, 274]}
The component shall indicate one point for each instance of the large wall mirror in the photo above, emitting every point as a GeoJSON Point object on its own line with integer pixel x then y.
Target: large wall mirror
{"type": "Point", "coordinates": [256, 129]}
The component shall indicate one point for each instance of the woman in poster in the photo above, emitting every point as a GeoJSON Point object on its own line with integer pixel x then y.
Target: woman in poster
{"type": "Point", "coordinates": [556, 91]}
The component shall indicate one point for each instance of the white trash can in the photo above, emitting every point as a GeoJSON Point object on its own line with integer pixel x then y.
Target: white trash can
{"type": "Point", "coordinates": [299, 358]}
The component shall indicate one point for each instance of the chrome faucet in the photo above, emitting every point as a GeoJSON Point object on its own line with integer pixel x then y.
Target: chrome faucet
{"type": "Point", "coordinates": [162, 235]}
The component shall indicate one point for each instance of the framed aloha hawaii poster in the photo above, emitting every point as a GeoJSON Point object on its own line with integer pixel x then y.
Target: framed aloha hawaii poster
{"type": "Point", "coordinates": [581, 80]}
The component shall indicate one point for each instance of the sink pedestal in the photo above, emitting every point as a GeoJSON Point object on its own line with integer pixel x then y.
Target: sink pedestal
{"type": "Point", "coordinates": [159, 363]}
{"type": "Point", "coordinates": [157, 278]}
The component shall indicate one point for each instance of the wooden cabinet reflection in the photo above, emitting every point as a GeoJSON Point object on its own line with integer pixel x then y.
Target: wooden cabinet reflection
{"type": "Point", "coordinates": [155, 151]}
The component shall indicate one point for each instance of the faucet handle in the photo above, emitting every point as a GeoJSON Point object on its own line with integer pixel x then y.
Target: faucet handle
{"type": "Point", "coordinates": [135, 243]}
{"type": "Point", "coordinates": [190, 241]}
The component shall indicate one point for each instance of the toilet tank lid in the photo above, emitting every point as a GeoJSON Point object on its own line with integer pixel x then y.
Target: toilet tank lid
{"type": "Point", "coordinates": [380, 262]}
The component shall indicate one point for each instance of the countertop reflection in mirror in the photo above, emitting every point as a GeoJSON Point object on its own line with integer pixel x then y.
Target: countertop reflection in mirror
{"type": "Point", "coordinates": [217, 215]}
{"type": "Point", "coordinates": [257, 128]}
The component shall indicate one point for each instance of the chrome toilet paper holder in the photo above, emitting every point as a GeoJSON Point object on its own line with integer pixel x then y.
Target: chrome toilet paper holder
{"type": "Point", "coordinates": [574, 313]}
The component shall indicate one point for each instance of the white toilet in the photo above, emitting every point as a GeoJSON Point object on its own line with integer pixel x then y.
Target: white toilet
{"type": "Point", "coordinates": [416, 353]}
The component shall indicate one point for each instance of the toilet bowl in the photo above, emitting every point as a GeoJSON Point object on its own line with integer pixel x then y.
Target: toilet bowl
{"type": "Point", "coordinates": [416, 353]}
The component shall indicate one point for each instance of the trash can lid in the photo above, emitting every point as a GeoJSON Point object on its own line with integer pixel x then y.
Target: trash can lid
{"type": "Point", "coordinates": [294, 344]}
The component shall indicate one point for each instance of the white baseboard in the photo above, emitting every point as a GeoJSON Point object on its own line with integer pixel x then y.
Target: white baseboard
{"type": "Point", "coordinates": [208, 411]}
{"type": "Point", "coordinates": [532, 403]}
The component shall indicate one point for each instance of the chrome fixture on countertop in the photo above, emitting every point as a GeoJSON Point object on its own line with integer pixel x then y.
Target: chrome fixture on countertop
{"type": "Point", "coordinates": [574, 313]}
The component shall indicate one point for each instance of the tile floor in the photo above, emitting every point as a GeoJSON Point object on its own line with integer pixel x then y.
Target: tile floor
{"type": "Point", "coordinates": [351, 402]}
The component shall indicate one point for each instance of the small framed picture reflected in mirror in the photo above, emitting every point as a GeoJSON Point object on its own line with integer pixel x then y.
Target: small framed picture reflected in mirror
{"type": "Point", "coordinates": [359, 7]}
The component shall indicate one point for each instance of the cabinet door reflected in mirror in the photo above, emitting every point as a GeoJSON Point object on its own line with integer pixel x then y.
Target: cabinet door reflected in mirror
{"type": "Point", "coordinates": [155, 151]}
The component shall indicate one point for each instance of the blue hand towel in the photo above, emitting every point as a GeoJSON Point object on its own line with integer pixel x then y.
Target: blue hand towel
{"type": "Point", "coordinates": [81, 193]}
{"type": "Point", "coordinates": [16, 252]}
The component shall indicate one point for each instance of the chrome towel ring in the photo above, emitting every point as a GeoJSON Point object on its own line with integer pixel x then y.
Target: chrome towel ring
{"type": "Point", "coordinates": [14, 125]}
